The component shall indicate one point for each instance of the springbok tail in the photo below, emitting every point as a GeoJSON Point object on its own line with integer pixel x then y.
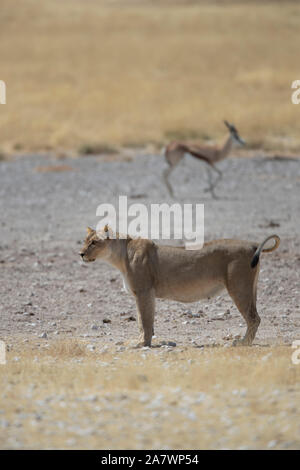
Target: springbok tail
{"type": "Point", "coordinates": [260, 249]}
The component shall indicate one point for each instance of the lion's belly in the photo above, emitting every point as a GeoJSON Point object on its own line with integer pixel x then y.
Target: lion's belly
{"type": "Point", "coordinates": [191, 293]}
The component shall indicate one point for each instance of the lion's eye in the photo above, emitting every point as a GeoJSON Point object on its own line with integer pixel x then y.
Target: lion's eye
{"type": "Point", "coordinates": [93, 242]}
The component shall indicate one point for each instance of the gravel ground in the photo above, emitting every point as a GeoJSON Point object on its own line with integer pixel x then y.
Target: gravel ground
{"type": "Point", "coordinates": [47, 291]}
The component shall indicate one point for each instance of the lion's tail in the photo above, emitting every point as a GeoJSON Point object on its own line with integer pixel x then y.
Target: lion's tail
{"type": "Point", "coordinates": [260, 249]}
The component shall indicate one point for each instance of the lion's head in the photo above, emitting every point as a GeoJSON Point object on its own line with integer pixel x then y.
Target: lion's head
{"type": "Point", "coordinates": [95, 244]}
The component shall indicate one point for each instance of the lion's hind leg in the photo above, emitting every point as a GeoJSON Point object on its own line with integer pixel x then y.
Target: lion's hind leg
{"type": "Point", "coordinates": [253, 320]}
{"type": "Point", "coordinates": [242, 289]}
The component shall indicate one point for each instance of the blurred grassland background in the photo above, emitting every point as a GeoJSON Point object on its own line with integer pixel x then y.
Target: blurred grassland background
{"type": "Point", "coordinates": [102, 73]}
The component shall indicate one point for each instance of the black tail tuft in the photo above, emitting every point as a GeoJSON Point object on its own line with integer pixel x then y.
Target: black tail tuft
{"type": "Point", "coordinates": [255, 260]}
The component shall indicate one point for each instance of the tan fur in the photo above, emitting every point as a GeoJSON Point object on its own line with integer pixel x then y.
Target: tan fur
{"type": "Point", "coordinates": [150, 270]}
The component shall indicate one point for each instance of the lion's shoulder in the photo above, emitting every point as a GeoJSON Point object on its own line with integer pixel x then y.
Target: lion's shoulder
{"type": "Point", "coordinates": [140, 250]}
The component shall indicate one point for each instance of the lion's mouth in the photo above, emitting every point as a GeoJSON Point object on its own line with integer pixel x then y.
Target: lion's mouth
{"type": "Point", "coordinates": [86, 260]}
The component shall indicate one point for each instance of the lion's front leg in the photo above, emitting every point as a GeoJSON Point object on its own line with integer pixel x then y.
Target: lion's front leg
{"type": "Point", "coordinates": [145, 302]}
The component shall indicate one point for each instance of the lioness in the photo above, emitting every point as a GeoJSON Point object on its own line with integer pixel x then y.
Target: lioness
{"type": "Point", "coordinates": [150, 270]}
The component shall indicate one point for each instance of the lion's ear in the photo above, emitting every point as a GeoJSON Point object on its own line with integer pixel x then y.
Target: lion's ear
{"type": "Point", "coordinates": [89, 230]}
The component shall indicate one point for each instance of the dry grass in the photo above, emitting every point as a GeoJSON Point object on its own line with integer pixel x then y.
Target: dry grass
{"type": "Point", "coordinates": [63, 396]}
{"type": "Point", "coordinates": [93, 74]}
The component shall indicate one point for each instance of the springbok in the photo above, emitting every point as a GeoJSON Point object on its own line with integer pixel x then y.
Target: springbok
{"type": "Point", "coordinates": [212, 154]}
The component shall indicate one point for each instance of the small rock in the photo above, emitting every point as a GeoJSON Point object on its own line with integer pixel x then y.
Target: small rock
{"type": "Point", "coordinates": [71, 442]}
{"type": "Point", "coordinates": [43, 335]}
{"type": "Point", "coordinates": [192, 416]}
{"type": "Point", "coordinates": [272, 444]}
{"type": "Point", "coordinates": [90, 398]}
{"type": "Point", "coordinates": [266, 357]}
{"type": "Point", "coordinates": [227, 337]}
{"type": "Point", "coordinates": [131, 318]}
{"type": "Point", "coordinates": [106, 320]}
{"type": "Point", "coordinates": [169, 343]}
